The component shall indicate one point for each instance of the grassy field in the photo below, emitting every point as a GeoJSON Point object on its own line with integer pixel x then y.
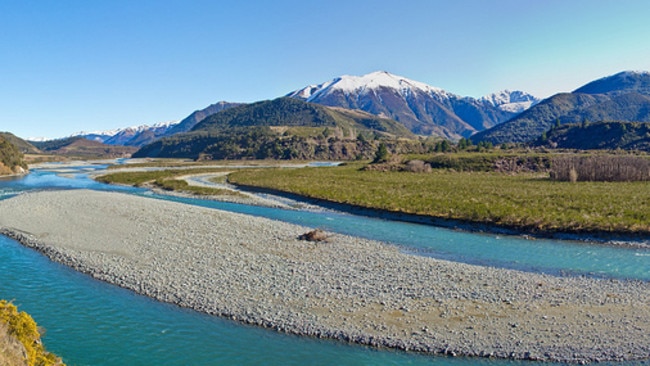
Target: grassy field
{"type": "Point", "coordinates": [527, 201]}
{"type": "Point", "coordinates": [167, 180]}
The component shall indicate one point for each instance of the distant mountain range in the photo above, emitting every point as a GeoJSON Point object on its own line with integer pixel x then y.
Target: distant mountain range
{"type": "Point", "coordinates": [139, 136]}
{"type": "Point", "coordinates": [422, 108]}
{"type": "Point", "coordinates": [83, 148]}
{"type": "Point", "coordinates": [621, 97]}
{"type": "Point", "coordinates": [507, 116]}
{"type": "Point", "coordinates": [129, 136]}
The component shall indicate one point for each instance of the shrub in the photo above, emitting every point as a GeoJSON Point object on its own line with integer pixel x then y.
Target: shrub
{"type": "Point", "coordinates": [23, 327]}
{"type": "Point", "coordinates": [417, 166]}
{"type": "Point", "coordinates": [381, 156]}
{"type": "Point", "coordinates": [600, 168]}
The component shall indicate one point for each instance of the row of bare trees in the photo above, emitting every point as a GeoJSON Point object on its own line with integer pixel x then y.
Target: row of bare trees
{"type": "Point", "coordinates": [600, 168]}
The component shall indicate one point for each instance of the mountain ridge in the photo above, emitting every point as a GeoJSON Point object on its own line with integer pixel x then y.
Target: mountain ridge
{"type": "Point", "coordinates": [283, 128]}
{"type": "Point", "coordinates": [624, 96]}
{"type": "Point", "coordinates": [422, 108]}
{"type": "Point", "coordinates": [126, 136]}
{"type": "Point", "coordinates": [140, 135]}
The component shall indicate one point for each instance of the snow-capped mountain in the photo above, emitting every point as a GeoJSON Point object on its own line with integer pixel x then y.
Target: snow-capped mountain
{"type": "Point", "coordinates": [129, 136]}
{"type": "Point", "coordinates": [512, 101]}
{"type": "Point", "coordinates": [139, 136]}
{"type": "Point", "coordinates": [422, 108]}
{"type": "Point", "coordinates": [363, 84]}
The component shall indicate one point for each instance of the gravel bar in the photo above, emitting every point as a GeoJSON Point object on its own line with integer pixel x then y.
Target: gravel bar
{"type": "Point", "coordinates": [256, 271]}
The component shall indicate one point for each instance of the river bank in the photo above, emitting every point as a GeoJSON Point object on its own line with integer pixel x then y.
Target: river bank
{"type": "Point", "coordinates": [255, 270]}
{"type": "Point", "coordinates": [522, 204]}
{"type": "Point", "coordinates": [611, 238]}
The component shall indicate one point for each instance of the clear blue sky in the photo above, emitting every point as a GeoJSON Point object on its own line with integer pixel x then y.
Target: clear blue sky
{"type": "Point", "coordinates": [70, 65]}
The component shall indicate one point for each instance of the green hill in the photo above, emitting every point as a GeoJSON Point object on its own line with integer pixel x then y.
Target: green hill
{"type": "Point", "coordinates": [601, 135]}
{"type": "Point", "coordinates": [288, 112]}
{"type": "Point", "coordinates": [283, 128]}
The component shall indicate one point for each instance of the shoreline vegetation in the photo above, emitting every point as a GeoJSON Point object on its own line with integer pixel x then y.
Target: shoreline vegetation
{"type": "Point", "coordinates": [167, 180]}
{"type": "Point", "coordinates": [20, 339]}
{"type": "Point", "coordinates": [527, 202]}
{"type": "Point", "coordinates": [258, 271]}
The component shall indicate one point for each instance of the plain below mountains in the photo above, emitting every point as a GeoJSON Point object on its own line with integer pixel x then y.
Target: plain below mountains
{"type": "Point", "coordinates": [621, 97]}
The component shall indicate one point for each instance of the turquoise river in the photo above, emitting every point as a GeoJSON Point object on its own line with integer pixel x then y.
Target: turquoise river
{"type": "Point", "coordinates": [88, 322]}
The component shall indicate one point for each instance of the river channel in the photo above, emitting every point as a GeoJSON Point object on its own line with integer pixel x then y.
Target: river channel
{"type": "Point", "coordinates": [89, 322]}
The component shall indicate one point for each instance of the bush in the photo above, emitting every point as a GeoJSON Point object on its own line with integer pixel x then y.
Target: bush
{"type": "Point", "coordinates": [23, 327]}
{"type": "Point", "coordinates": [381, 156]}
{"type": "Point", "coordinates": [417, 166]}
{"type": "Point", "coordinates": [600, 168]}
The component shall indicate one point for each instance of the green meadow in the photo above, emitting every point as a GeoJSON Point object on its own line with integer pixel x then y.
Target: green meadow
{"type": "Point", "coordinates": [527, 201]}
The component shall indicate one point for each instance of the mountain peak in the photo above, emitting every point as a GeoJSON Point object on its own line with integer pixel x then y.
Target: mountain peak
{"type": "Point", "coordinates": [378, 79]}
{"type": "Point", "coordinates": [622, 82]}
{"type": "Point", "coordinates": [515, 101]}
{"type": "Point", "coordinates": [632, 73]}
{"type": "Point", "coordinates": [422, 108]}
{"type": "Point", "coordinates": [350, 84]}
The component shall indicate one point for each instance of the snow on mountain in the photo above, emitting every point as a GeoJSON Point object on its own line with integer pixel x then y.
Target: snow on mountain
{"type": "Point", "coordinates": [128, 136]}
{"type": "Point", "coordinates": [512, 101]}
{"type": "Point", "coordinates": [422, 108]}
{"type": "Point", "coordinates": [37, 139]}
{"type": "Point", "coordinates": [364, 84]}
{"type": "Point", "coordinates": [96, 135]}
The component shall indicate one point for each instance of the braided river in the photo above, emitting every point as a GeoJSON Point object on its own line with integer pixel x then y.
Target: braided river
{"type": "Point", "coordinates": [88, 322]}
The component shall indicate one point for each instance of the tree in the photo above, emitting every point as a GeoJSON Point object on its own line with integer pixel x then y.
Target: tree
{"type": "Point", "coordinates": [464, 143]}
{"type": "Point", "coordinates": [485, 145]}
{"type": "Point", "coordinates": [443, 146]}
{"type": "Point", "coordinates": [381, 156]}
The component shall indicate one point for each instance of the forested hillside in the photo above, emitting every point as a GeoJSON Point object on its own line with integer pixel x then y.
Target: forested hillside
{"type": "Point", "coordinates": [283, 128]}
{"type": "Point", "coordinates": [11, 159]}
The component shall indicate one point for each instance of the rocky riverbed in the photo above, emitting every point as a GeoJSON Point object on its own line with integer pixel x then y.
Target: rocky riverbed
{"type": "Point", "coordinates": [256, 271]}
